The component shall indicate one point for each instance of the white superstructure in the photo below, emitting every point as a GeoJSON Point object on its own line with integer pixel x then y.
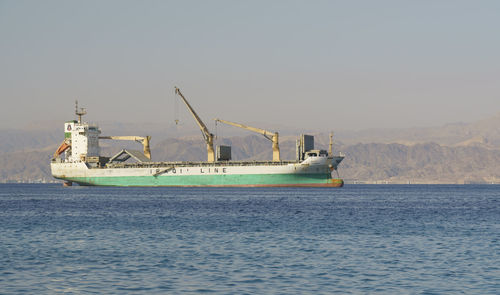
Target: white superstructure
{"type": "Point", "coordinates": [83, 139]}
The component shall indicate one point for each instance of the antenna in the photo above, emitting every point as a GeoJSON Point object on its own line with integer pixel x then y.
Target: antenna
{"type": "Point", "coordinates": [79, 113]}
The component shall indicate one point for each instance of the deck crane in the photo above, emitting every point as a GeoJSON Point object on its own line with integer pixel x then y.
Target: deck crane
{"type": "Point", "coordinates": [272, 136]}
{"type": "Point", "coordinates": [330, 149]}
{"type": "Point", "coordinates": [143, 140]}
{"type": "Point", "coordinates": [209, 137]}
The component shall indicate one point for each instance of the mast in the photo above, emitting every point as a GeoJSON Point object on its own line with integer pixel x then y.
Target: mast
{"type": "Point", "coordinates": [80, 112]}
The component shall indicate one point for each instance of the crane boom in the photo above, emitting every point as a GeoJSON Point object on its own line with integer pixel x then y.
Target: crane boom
{"type": "Point", "coordinates": [272, 136]}
{"type": "Point", "coordinates": [209, 137]}
{"type": "Point", "coordinates": [143, 140]}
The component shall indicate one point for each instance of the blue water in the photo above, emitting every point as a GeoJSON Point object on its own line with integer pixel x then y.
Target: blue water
{"type": "Point", "coordinates": [360, 239]}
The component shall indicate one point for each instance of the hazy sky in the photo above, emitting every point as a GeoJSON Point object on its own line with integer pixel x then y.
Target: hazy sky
{"type": "Point", "coordinates": [315, 64]}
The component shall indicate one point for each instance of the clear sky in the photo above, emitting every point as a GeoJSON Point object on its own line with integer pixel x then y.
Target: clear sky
{"type": "Point", "coordinates": [313, 64]}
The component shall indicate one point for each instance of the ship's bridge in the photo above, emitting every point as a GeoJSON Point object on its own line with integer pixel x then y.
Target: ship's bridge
{"type": "Point", "coordinates": [83, 139]}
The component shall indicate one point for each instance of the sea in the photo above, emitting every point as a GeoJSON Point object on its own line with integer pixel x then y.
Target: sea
{"type": "Point", "coordinates": [359, 239]}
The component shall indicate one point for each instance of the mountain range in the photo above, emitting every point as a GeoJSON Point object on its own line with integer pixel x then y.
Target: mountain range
{"type": "Point", "coordinates": [453, 153]}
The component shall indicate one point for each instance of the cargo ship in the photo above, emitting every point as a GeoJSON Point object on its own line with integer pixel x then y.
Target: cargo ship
{"type": "Point", "coordinates": [78, 160]}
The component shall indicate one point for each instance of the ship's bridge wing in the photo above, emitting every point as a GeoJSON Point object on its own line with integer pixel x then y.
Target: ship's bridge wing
{"type": "Point", "coordinates": [124, 155]}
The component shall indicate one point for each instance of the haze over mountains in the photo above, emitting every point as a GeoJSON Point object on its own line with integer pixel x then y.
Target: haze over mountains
{"type": "Point", "coordinates": [453, 153]}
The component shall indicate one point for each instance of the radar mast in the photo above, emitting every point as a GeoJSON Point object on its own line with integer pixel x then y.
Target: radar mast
{"type": "Point", "coordinates": [80, 112]}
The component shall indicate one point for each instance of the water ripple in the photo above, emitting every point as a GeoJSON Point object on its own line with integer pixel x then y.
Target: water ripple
{"type": "Point", "coordinates": [360, 239]}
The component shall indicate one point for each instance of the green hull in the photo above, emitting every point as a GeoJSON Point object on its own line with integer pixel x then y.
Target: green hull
{"type": "Point", "coordinates": [240, 180]}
